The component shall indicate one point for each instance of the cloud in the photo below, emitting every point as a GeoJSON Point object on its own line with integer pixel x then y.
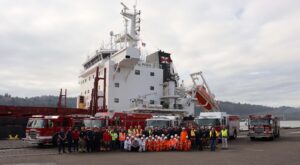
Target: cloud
{"type": "Point", "coordinates": [248, 50]}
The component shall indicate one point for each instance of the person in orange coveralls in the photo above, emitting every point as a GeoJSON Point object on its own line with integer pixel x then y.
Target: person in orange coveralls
{"type": "Point", "coordinates": [183, 135]}
{"type": "Point", "coordinates": [152, 144]}
{"type": "Point", "coordinates": [187, 144]}
{"type": "Point", "coordinates": [178, 144]}
{"type": "Point", "coordinates": [157, 145]}
{"type": "Point", "coordinates": [173, 142]}
{"type": "Point", "coordinates": [148, 143]}
{"type": "Point", "coordinates": [165, 144]}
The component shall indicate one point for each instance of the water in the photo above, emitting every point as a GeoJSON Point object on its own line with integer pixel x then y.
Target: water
{"type": "Point", "coordinates": [290, 124]}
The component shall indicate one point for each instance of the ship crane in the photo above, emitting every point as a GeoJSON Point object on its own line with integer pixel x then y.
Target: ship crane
{"type": "Point", "coordinates": [202, 92]}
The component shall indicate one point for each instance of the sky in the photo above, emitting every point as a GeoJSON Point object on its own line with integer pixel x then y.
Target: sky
{"type": "Point", "coordinates": [248, 50]}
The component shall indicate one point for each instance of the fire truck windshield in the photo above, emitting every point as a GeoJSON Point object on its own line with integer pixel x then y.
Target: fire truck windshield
{"type": "Point", "coordinates": [36, 123]}
{"type": "Point", "coordinates": [93, 123]}
{"type": "Point", "coordinates": [208, 122]}
{"type": "Point", "coordinates": [259, 122]}
{"type": "Point", "coordinates": [158, 123]}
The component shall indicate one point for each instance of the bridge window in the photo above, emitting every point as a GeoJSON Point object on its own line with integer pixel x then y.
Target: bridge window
{"type": "Point", "coordinates": [151, 73]}
{"type": "Point", "coordinates": [117, 85]}
{"type": "Point", "coordinates": [152, 88]}
{"type": "Point", "coordinates": [116, 100]}
{"type": "Point", "coordinates": [137, 72]}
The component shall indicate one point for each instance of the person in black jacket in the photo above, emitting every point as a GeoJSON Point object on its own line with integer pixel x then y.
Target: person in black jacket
{"type": "Point", "coordinates": [97, 137]}
{"type": "Point", "coordinates": [69, 139]}
{"type": "Point", "coordinates": [82, 140]}
{"type": "Point", "coordinates": [213, 138]}
{"type": "Point", "coordinates": [89, 140]}
{"type": "Point", "coordinates": [199, 135]}
{"type": "Point", "coordinates": [61, 141]}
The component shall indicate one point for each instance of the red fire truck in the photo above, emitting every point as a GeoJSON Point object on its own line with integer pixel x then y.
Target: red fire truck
{"type": "Point", "coordinates": [130, 119]}
{"type": "Point", "coordinates": [43, 129]}
{"type": "Point", "coordinates": [123, 119]}
{"type": "Point", "coordinates": [263, 126]}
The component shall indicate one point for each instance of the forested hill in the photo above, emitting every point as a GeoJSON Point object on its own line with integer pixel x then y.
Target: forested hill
{"type": "Point", "coordinates": [285, 112]}
{"type": "Point", "coordinates": [39, 101]}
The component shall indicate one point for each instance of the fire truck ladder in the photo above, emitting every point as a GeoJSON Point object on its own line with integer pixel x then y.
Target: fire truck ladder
{"type": "Point", "coordinates": [94, 108]}
{"type": "Point", "coordinates": [60, 98]}
{"type": "Point", "coordinates": [205, 92]}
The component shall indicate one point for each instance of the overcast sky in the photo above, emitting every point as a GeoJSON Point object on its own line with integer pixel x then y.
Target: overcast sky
{"type": "Point", "coordinates": [249, 51]}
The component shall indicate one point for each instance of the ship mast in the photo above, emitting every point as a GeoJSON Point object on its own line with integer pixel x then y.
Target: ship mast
{"type": "Point", "coordinates": [130, 38]}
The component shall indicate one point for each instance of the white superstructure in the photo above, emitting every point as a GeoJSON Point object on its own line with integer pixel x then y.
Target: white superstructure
{"type": "Point", "coordinates": [133, 84]}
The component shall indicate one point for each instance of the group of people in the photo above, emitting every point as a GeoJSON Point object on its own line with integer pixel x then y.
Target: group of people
{"type": "Point", "coordinates": [138, 139]}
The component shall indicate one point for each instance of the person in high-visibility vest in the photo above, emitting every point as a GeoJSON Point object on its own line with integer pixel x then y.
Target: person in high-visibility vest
{"type": "Point", "coordinates": [130, 131]}
{"type": "Point", "coordinates": [218, 133]}
{"type": "Point", "coordinates": [138, 131]}
{"type": "Point", "coordinates": [224, 133]}
{"type": "Point", "coordinates": [193, 138]}
{"type": "Point", "coordinates": [122, 137]}
{"type": "Point", "coordinates": [114, 137]}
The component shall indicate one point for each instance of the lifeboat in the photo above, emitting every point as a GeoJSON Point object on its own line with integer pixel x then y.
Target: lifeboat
{"type": "Point", "coordinates": [204, 98]}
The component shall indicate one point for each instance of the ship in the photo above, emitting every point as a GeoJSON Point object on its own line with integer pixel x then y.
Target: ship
{"type": "Point", "coordinates": [117, 79]}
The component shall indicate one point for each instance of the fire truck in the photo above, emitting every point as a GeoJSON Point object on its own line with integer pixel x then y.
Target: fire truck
{"type": "Point", "coordinates": [263, 126]}
{"type": "Point", "coordinates": [219, 119]}
{"type": "Point", "coordinates": [163, 121]}
{"type": "Point", "coordinates": [127, 119]}
{"type": "Point", "coordinates": [43, 129]}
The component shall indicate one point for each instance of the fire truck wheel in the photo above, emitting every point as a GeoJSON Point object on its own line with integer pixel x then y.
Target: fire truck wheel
{"type": "Point", "coordinates": [278, 134]}
{"type": "Point", "coordinates": [234, 134]}
{"type": "Point", "coordinates": [40, 144]}
{"type": "Point", "coordinates": [252, 138]}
